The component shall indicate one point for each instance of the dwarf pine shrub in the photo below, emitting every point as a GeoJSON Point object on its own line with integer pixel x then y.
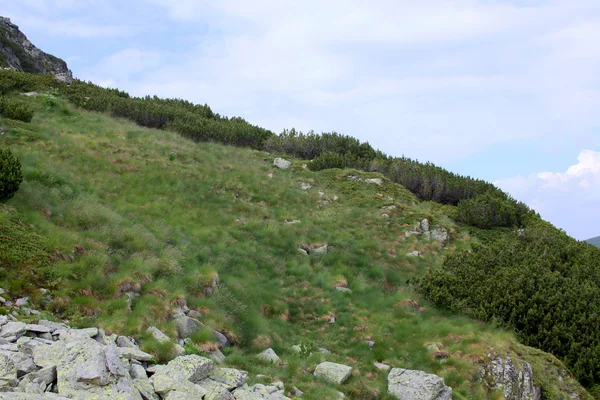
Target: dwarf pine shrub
{"type": "Point", "coordinates": [10, 174]}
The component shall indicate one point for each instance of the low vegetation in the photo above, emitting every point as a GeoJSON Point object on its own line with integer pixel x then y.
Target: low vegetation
{"type": "Point", "coordinates": [108, 208]}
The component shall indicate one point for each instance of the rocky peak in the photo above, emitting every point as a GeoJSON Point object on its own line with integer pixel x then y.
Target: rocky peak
{"type": "Point", "coordinates": [18, 53]}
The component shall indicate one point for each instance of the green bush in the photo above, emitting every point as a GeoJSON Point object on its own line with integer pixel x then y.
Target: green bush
{"type": "Point", "coordinates": [13, 109]}
{"type": "Point", "coordinates": [487, 210]}
{"type": "Point", "coordinates": [10, 174]}
{"type": "Point", "coordinates": [537, 281]}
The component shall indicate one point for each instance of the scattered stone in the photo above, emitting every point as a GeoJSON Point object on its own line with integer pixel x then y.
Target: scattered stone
{"type": "Point", "coordinates": [440, 234]}
{"type": "Point", "coordinates": [381, 366]}
{"type": "Point", "coordinates": [385, 216]}
{"type": "Point", "coordinates": [187, 326]}
{"type": "Point", "coordinates": [269, 355]}
{"type": "Point", "coordinates": [282, 163]}
{"type": "Point", "coordinates": [217, 356]}
{"type": "Point", "coordinates": [370, 343]}
{"type": "Point", "coordinates": [319, 249]}
{"type": "Point", "coordinates": [332, 372]}
{"type": "Point", "coordinates": [414, 254]}
{"type": "Point", "coordinates": [305, 186]}
{"type": "Point", "coordinates": [137, 372]}
{"type": "Point", "coordinates": [292, 222]}
{"type": "Point", "coordinates": [52, 325]}
{"type": "Point", "coordinates": [332, 320]}
{"type": "Point", "coordinates": [297, 392]}
{"type": "Point", "coordinates": [408, 384]}
{"type": "Point", "coordinates": [343, 289]}
{"type": "Point", "coordinates": [23, 301]}
{"type": "Point", "coordinates": [302, 251]}
{"type": "Point", "coordinates": [222, 339]}
{"type": "Point", "coordinates": [425, 225]}
{"type": "Point", "coordinates": [377, 181]}
{"type": "Point", "coordinates": [8, 373]}
{"type": "Point", "coordinates": [29, 94]}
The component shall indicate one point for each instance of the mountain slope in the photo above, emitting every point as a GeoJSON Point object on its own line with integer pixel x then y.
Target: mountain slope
{"type": "Point", "coordinates": [18, 53]}
{"type": "Point", "coordinates": [595, 241]}
{"type": "Point", "coordinates": [124, 224]}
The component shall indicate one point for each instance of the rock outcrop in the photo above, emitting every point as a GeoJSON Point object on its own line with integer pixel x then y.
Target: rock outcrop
{"type": "Point", "coordinates": [18, 53]}
{"type": "Point", "coordinates": [514, 380]}
{"type": "Point", "coordinates": [407, 384]}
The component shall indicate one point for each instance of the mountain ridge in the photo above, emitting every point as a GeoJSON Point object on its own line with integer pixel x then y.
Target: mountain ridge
{"type": "Point", "coordinates": [595, 241]}
{"type": "Point", "coordinates": [19, 54]}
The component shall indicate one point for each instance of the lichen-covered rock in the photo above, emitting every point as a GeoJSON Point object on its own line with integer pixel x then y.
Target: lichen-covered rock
{"type": "Point", "coordinates": [229, 377]}
{"type": "Point", "coordinates": [269, 355]}
{"type": "Point", "coordinates": [49, 355]}
{"type": "Point", "coordinates": [31, 396]}
{"type": "Point", "coordinates": [23, 362]}
{"type": "Point", "coordinates": [180, 373]}
{"type": "Point", "coordinates": [131, 353]}
{"type": "Point", "coordinates": [514, 380]}
{"type": "Point", "coordinates": [406, 384]}
{"type": "Point", "coordinates": [83, 373]}
{"type": "Point", "coordinates": [259, 392]}
{"type": "Point", "coordinates": [8, 373]}
{"type": "Point", "coordinates": [332, 372]}
{"type": "Point", "coordinates": [40, 379]}
{"type": "Point", "coordinates": [13, 329]}
{"type": "Point", "coordinates": [215, 390]}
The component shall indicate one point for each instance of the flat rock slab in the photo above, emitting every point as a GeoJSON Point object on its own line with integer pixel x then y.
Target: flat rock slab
{"type": "Point", "coordinates": [406, 384]}
{"type": "Point", "coordinates": [28, 396]}
{"type": "Point", "coordinates": [332, 372]}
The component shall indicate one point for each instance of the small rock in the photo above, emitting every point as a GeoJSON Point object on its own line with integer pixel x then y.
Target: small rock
{"type": "Point", "coordinates": [281, 163]}
{"type": "Point", "coordinates": [297, 392]}
{"type": "Point", "coordinates": [425, 225]}
{"type": "Point", "coordinates": [381, 366]}
{"type": "Point", "coordinates": [370, 343]}
{"type": "Point", "coordinates": [230, 377]}
{"type": "Point", "coordinates": [321, 249]}
{"type": "Point", "coordinates": [305, 186]}
{"type": "Point", "coordinates": [376, 181]}
{"type": "Point", "coordinates": [23, 301]}
{"type": "Point", "coordinates": [269, 355]}
{"type": "Point", "coordinates": [343, 289]}
{"type": "Point", "coordinates": [332, 372]}
{"type": "Point", "coordinates": [385, 216]}
{"type": "Point", "coordinates": [414, 254]}
{"type": "Point", "coordinates": [137, 372]}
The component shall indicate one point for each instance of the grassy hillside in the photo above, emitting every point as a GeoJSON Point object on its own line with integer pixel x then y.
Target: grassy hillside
{"type": "Point", "coordinates": [595, 241]}
{"type": "Point", "coordinates": [110, 210]}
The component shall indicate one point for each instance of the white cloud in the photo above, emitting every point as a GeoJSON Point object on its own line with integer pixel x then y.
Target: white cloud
{"type": "Point", "coordinates": [568, 199]}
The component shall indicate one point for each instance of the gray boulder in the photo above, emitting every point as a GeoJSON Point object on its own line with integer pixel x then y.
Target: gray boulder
{"type": "Point", "coordinates": [440, 234]}
{"type": "Point", "coordinates": [187, 326]}
{"type": "Point", "coordinates": [332, 372]}
{"type": "Point", "coordinates": [269, 355]}
{"type": "Point", "coordinates": [425, 225]}
{"type": "Point", "coordinates": [22, 362]}
{"type": "Point", "coordinates": [282, 163]}
{"type": "Point", "coordinates": [13, 329]}
{"type": "Point", "coordinates": [406, 384]}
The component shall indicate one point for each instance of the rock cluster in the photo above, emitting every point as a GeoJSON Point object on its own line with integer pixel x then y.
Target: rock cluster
{"type": "Point", "coordinates": [423, 229]}
{"type": "Point", "coordinates": [50, 360]}
{"type": "Point", "coordinates": [516, 381]}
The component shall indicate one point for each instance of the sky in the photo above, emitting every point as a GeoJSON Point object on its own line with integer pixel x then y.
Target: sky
{"type": "Point", "coordinates": [506, 91]}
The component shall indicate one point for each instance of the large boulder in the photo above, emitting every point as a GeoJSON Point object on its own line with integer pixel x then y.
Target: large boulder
{"type": "Point", "coordinates": [8, 373]}
{"type": "Point", "coordinates": [515, 381]}
{"type": "Point", "coordinates": [22, 362]}
{"type": "Point", "coordinates": [85, 372]}
{"type": "Point", "coordinates": [406, 384]}
{"type": "Point", "coordinates": [332, 372]}
{"type": "Point", "coordinates": [181, 374]}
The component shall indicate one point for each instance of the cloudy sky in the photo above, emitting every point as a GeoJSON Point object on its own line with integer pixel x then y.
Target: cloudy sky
{"type": "Point", "coordinates": [507, 90]}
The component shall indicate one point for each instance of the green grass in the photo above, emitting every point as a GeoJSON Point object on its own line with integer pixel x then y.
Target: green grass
{"type": "Point", "coordinates": [122, 208]}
